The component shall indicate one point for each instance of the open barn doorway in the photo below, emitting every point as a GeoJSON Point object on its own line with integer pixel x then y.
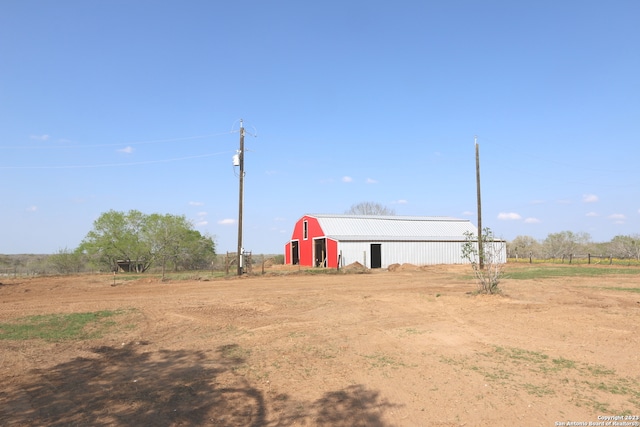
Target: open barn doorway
{"type": "Point", "coordinates": [295, 253]}
{"type": "Point", "coordinates": [320, 252]}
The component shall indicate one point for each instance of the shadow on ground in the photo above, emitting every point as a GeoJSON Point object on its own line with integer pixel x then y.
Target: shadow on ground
{"type": "Point", "coordinates": [125, 386]}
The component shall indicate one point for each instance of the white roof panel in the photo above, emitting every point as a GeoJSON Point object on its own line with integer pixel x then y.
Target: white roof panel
{"type": "Point", "coordinates": [370, 227]}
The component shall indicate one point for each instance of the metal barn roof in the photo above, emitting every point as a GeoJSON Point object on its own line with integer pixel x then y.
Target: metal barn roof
{"type": "Point", "coordinates": [388, 228]}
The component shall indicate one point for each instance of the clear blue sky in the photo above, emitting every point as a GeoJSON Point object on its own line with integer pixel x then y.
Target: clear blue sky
{"type": "Point", "coordinates": [121, 104]}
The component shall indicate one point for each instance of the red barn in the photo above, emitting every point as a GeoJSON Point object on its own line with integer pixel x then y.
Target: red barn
{"type": "Point", "coordinates": [376, 241]}
{"type": "Point", "coordinates": [309, 246]}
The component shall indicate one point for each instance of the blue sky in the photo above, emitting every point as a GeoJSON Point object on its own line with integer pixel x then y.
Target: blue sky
{"type": "Point", "coordinates": [133, 105]}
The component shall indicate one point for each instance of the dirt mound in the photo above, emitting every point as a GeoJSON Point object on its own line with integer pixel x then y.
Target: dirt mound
{"type": "Point", "coordinates": [403, 267]}
{"type": "Point", "coordinates": [356, 266]}
{"type": "Point", "coordinates": [393, 267]}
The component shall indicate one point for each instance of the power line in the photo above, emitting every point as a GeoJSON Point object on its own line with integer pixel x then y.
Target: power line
{"type": "Point", "coordinates": [119, 144]}
{"type": "Point", "coordinates": [106, 165]}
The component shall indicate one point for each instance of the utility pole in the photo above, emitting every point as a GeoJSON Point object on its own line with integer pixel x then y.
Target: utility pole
{"type": "Point", "coordinates": [241, 197]}
{"type": "Point", "coordinates": [480, 243]}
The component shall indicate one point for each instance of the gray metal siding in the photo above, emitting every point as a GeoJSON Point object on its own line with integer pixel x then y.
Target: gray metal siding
{"type": "Point", "coordinates": [402, 252]}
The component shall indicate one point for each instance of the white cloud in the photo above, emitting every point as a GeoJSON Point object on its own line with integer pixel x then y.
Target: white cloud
{"type": "Point", "coordinates": [201, 223]}
{"type": "Point", "coordinates": [347, 179]}
{"type": "Point", "coordinates": [592, 214]}
{"type": "Point", "coordinates": [537, 202]}
{"type": "Point", "coordinates": [371, 181]}
{"type": "Point", "coordinates": [509, 216]}
{"type": "Point", "coordinates": [618, 217]}
{"type": "Point", "coordinates": [32, 209]}
{"type": "Point", "coordinates": [589, 198]}
{"type": "Point", "coordinates": [399, 202]}
{"type": "Point", "coordinates": [126, 150]}
{"type": "Point", "coordinates": [468, 213]}
{"type": "Point", "coordinates": [196, 204]}
{"type": "Point", "coordinates": [40, 137]}
{"type": "Point", "coordinates": [532, 221]}
{"type": "Point", "coordinates": [201, 214]}
{"type": "Point", "coordinates": [227, 221]}
{"type": "Point", "coordinates": [564, 202]}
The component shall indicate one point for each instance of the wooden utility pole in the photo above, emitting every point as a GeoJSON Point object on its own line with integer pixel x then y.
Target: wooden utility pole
{"type": "Point", "coordinates": [480, 243]}
{"type": "Point", "coordinates": [240, 202]}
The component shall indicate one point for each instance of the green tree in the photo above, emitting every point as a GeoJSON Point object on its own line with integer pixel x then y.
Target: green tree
{"type": "Point", "coordinates": [142, 240]}
{"type": "Point", "coordinates": [175, 244]}
{"type": "Point", "coordinates": [117, 236]}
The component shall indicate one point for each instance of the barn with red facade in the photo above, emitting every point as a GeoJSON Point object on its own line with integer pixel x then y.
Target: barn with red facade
{"type": "Point", "coordinates": [376, 241]}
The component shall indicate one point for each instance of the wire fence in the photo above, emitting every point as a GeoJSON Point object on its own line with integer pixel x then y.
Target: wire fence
{"type": "Point", "coordinates": [38, 265]}
{"type": "Point", "coordinates": [586, 259]}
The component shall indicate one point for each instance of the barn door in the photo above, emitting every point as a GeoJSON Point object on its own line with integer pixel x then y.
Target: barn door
{"type": "Point", "coordinates": [376, 255]}
{"type": "Point", "coordinates": [295, 253]}
{"type": "Point", "coordinates": [320, 252]}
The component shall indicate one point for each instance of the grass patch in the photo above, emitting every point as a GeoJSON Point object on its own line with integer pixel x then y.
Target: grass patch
{"type": "Point", "coordinates": [537, 390]}
{"type": "Point", "coordinates": [60, 327]}
{"type": "Point", "coordinates": [234, 352]}
{"type": "Point", "coordinates": [379, 360]}
{"type": "Point", "coordinates": [520, 354]}
{"type": "Point", "coordinates": [537, 374]}
{"type": "Point", "coordinates": [617, 288]}
{"type": "Point", "coordinates": [562, 363]}
{"type": "Point", "coordinates": [545, 272]}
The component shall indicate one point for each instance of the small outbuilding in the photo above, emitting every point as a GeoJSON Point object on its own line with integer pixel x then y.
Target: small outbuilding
{"type": "Point", "coordinates": [376, 241]}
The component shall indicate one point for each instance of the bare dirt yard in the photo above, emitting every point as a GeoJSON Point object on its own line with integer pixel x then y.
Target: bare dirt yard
{"type": "Point", "coordinates": [410, 347]}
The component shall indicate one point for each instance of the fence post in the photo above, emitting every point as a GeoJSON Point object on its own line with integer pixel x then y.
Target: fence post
{"type": "Point", "coordinates": [610, 259]}
{"type": "Point", "coordinates": [530, 257]}
{"type": "Point", "coordinates": [570, 258]}
{"type": "Point", "coordinates": [589, 258]}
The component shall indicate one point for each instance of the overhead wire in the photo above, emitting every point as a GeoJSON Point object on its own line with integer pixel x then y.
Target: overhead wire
{"type": "Point", "coordinates": [123, 164]}
{"type": "Point", "coordinates": [148, 162]}
{"type": "Point", "coordinates": [118, 144]}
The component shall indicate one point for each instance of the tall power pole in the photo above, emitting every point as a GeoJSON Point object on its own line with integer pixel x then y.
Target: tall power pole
{"type": "Point", "coordinates": [480, 245]}
{"type": "Point", "coordinates": [240, 202]}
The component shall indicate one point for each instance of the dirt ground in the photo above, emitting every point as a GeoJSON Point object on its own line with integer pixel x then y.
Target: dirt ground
{"type": "Point", "coordinates": [410, 347]}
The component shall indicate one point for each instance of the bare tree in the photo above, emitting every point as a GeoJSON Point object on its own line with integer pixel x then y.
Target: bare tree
{"type": "Point", "coordinates": [565, 243]}
{"type": "Point", "coordinates": [370, 208]}
{"type": "Point", "coordinates": [523, 247]}
{"type": "Point", "coordinates": [626, 246]}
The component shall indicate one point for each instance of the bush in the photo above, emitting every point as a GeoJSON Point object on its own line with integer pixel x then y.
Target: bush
{"type": "Point", "coordinates": [487, 261]}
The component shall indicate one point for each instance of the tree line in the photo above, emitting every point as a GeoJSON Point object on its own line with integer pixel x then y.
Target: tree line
{"type": "Point", "coordinates": [566, 244]}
